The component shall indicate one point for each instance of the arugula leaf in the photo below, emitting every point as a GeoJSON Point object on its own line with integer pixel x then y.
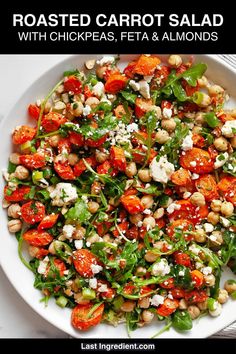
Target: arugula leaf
{"type": "Point", "coordinates": [206, 133]}
{"type": "Point", "coordinates": [228, 249]}
{"type": "Point", "coordinates": [184, 281]}
{"type": "Point", "coordinates": [194, 73]}
{"type": "Point", "coordinates": [11, 167]}
{"type": "Point", "coordinates": [152, 189]}
{"type": "Point", "coordinates": [173, 84]}
{"type": "Point", "coordinates": [179, 91]}
{"type": "Point", "coordinates": [172, 146]}
{"type": "Point", "coordinates": [182, 321]}
{"type": "Point", "coordinates": [103, 106]}
{"type": "Point", "coordinates": [128, 96]}
{"type": "Point", "coordinates": [78, 212]}
{"type": "Point", "coordinates": [71, 72]}
{"type": "Point", "coordinates": [230, 165]}
{"type": "Point", "coordinates": [105, 125]}
{"type": "Point", "coordinates": [132, 319]}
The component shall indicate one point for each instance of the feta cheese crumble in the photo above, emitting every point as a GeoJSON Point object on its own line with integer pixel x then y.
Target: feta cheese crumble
{"type": "Point", "coordinates": [68, 231]}
{"type": "Point", "coordinates": [78, 244]}
{"type": "Point", "coordinates": [167, 113]}
{"type": "Point", "coordinates": [161, 170]}
{"type": "Point", "coordinates": [93, 283]}
{"type": "Point", "coordinates": [208, 227]}
{"type": "Point", "coordinates": [187, 143]}
{"type": "Point", "coordinates": [157, 300]}
{"type": "Point", "coordinates": [172, 207]}
{"type": "Point", "coordinates": [63, 194]}
{"type": "Point", "coordinates": [228, 127]}
{"type": "Point", "coordinates": [96, 268]}
{"type": "Point", "coordinates": [161, 268]}
{"type": "Point", "coordinates": [144, 89]}
{"type": "Point", "coordinates": [98, 89]}
{"type": "Point", "coordinates": [43, 265]}
{"type": "Point", "coordinates": [221, 160]}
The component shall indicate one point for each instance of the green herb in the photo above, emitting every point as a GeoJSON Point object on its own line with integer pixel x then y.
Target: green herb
{"type": "Point", "coordinates": [152, 190]}
{"type": "Point", "coordinates": [79, 212]}
{"type": "Point", "coordinates": [207, 135]}
{"type": "Point", "coordinates": [173, 85]}
{"type": "Point", "coordinates": [20, 245]}
{"type": "Point", "coordinates": [61, 301]}
{"type": "Point", "coordinates": [233, 295]}
{"type": "Point", "coordinates": [172, 146]}
{"type": "Point", "coordinates": [128, 96]}
{"type": "Point", "coordinates": [185, 280]}
{"type": "Point", "coordinates": [103, 106]}
{"type": "Point", "coordinates": [71, 72]}
{"type": "Point", "coordinates": [62, 250]}
{"type": "Point", "coordinates": [93, 309]}
{"type": "Point", "coordinates": [43, 104]}
{"type": "Point", "coordinates": [132, 319]}
{"type": "Point", "coordinates": [211, 119]}
{"type": "Point", "coordinates": [164, 329]}
{"type": "Point", "coordinates": [182, 321]}
{"type": "Point", "coordinates": [11, 167]}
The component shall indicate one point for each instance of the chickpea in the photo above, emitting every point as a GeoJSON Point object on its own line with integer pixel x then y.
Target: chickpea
{"type": "Point", "coordinates": [14, 225]}
{"type": "Point", "coordinates": [80, 300]}
{"type": "Point", "coordinates": [114, 202]}
{"type": "Point", "coordinates": [216, 238]}
{"type": "Point", "coordinates": [199, 236]}
{"type": "Point", "coordinates": [168, 124]}
{"type": "Point", "coordinates": [107, 238]}
{"type": "Point", "coordinates": [210, 280]}
{"type": "Point", "coordinates": [131, 169]}
{"type": "Point", "coordinates": [158, 213]}
{"type": "Point", "coordinates": [100, 71]}
{"type": "Point", "coordinates": [73, 159]}
{"type": "Point", "coordinates": [135, 218]}
{"type": "Point", "coordinates": [199, 119]}
{"type": "Point", "coordinates": [33, 251]}
{"type": "Point", "coordinates": [51, 248]}
{"type": "Point", "coordinates": [227, 209]}
{"type": "Point", "coordinates": [128, 306]}
{"type": "Point", "coordinates": [5, 204]}
{"type": "Point", "coordinates": [233, 142]}
{"type": "Point", "coordinates": [101, 156]}
{"type": "Point", "coordinates": [140, 271]}
{"type": "Point", "coordinates": [213, 218]}
{"type": "Point", "coordinates": [183, 304]}
{"type": "Point", "coordinates": [203, 82]}
{"type": "Point", "coordinates": [54, 140]}
{"type": "Point", "coordinates": [96, 188]}
{"type": "Point", "coordinates": [14, 211]}
{"type": "Point", "coordinates": [216, 205]}
{"type": "Point", "coordinates": [223, 296]}
{"type": "Point", "coordinates": [206, 100]}
{"type": "Point", "coordinates": [230, 286]}
{"type": "Point", "coordinates": [15, 158]}
{"type": "Point", "coordinates": [92, 102]}
{"type": "Point", "coordinates": [79, 233]}
{"type": "Point", "coordinates": [93, 238]}
{"type": "Point", "coordinates": [221, 144]}
{"type": "Point", "coordinates": [233, 113]}
{"type": "Point", "coordinates": [59, 106]}
{"type": "Point", "coordinates": [144, 175]}
{"type": "Point", "coordinates": [215, 90]}
{"type": "Point", "coordinates": [196, 130]}
{"type": "Point", "coordinates": [147, 201]}
{"type": "Point", "coordinates": [93, 207]}
{"type": "Point", "coordinates": [202, 305]}
{"type": "Point", "coordinates": [60, 89]}
{"type": "Point", "coordinates": [194, 311]}
{"type": "Point", "coordinates": [147, 316]}
{"type": "Point", "coordinates": [162, 136]}
{"type": "Point", "coordinates": [175, 60]}
{"type": "Point", "coordinates": [77, 108]}
{"type": "Point", "coordinates": [47, 107]}
{"type": "Point", "coordinates": [144, 302]}
{"type": "Point", "coordinates": [149, 222]}
{"type": "Point", "coordinates": [89, 64]}
{"type": "Point", "coordinates": [197, 199]}
{"type": "Point", "coordinates": [150, 257]}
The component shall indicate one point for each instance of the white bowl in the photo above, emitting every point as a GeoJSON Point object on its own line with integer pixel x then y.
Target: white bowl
{"type": "Point", "coordinates": [22, 279]}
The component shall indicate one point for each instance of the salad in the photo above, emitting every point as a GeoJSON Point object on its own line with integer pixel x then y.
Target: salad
{"type": "Point", "coordinates": [123, 188]}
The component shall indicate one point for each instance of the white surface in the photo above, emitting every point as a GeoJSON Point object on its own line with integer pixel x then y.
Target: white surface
{"type": "Point", "coordinates": [16, 318]}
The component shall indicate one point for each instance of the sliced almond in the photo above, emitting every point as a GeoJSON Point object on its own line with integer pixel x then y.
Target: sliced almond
{"type": "Point", "coordinates": [90, 64]}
